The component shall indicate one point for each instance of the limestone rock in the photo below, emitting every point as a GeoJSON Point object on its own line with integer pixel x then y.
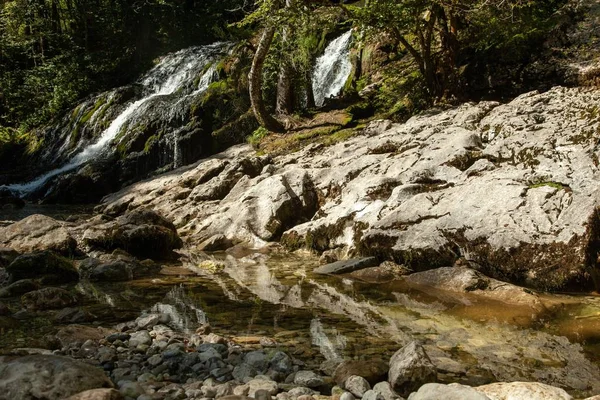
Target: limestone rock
{"type": "Point", "coordinates": [47, 377]}
{"type": "Point", "coordinates": [142, 233]}
{"type": "Point", "coordinates": [385, 389]}
{"type": "Point", "coordinates": [372, 370]}
{"type": "Point", "coordinates": [372, 395]}
{"type": "Point", "coordinates": [357, 385]}
{"type": "Point", "coordinates": [466, 280]}
{"type": "Point", "coordinates": [98, 394]}
{"type": "Point", "coordinates": [346, 266]}
{"type": "Point", "coordinates": [36, 233]}
{"type": "Point", "coordinates": [43, 265]}
{"type": "Point", "coordinates": [308, 379]}
{"type": "Point", "coordinates": [454, 391]}
{"type": "Point", "coordinates": [19, 287]}
{"type": "Point", "coordinates": [48, 299]}
{"type": "Point", "coordinates": [523, 390]}
{"type": "Point", "coordinates": [410, 367]}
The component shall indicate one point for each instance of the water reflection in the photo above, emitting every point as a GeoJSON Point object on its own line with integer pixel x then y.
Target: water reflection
{"type": "Point", "coordinates": [331, 350]}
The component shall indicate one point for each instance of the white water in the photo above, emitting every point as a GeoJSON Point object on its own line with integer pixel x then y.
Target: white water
{"type": "Point", "coordinates": [172, 74]}
{"type": "Point", "coordinates": [332, 69]}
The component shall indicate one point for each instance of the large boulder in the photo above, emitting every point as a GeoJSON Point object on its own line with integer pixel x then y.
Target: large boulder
{"type": "Point", "coordinates": [19, 287]}
{"type": "Point", "coordinates": [454, 391]}
{"type": "Point", "coordinates": [523, 390]}
{"type": "Point", "coordinates": [142, 233]}
{"type": "Point", "coordinates": [410, 368]}
{"type": "Point", "coordinates": [47, 377]}
{"type": "Point", "coordinates": [463, 280]}
{"type": "Point", "coordinates": [49, 298]}
{"type": "Point", "coordinates": [372, 370]}
{"type": "Point", "coordinates": [510, 187]}
{"type": "Point", "coordinates": [38, 232]}
{"type": "Point", "coordinates": [98, 394]}
{"type": "Point", "coordinates": [45, 266]}
{"type": "Point", "coordinates": [232, 198]}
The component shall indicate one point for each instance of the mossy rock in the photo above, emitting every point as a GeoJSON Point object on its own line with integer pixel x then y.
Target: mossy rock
{"type": "Point", "coordinates": [43, 265]}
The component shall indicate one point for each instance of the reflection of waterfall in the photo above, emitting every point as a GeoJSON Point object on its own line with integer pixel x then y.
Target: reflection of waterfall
{"type": "Point", "coordinates": [330, 350]}
{"type": "Point", "coordinates": [173, 76]}
{"type": "Point", "coordinates": [184, 314]}
{"type": "Point", "coordinates": [332, 69]}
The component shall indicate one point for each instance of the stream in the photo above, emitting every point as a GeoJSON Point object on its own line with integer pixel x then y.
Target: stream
{"type": "Point", "coordinates": [246, 294]}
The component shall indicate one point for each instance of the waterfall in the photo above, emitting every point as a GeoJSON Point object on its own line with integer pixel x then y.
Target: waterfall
{"type": "Point", "coordinates": [173, 76]}
{"type": "Point", "coordinates": [332, 69]}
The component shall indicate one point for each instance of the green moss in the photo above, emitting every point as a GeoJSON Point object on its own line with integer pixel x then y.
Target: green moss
{"type": "Point", "coordinates": [149, 143]}
{"type": "Point", "coordinates": [87, 116]}
{"type": "Point", "coordinates": [316, 132]}
{"type": "Point", "coordinates": [555, 185]}
{"type": "Point", "coordinates": [342, 135]}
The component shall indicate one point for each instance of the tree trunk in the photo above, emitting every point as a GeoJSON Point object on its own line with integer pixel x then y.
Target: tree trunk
{"type": "Point", "coordinates": [285, 93]}
{"type": "Point", "coordinates": [310, 94]}
{"type": "Point", "coordinates": [255, 78]}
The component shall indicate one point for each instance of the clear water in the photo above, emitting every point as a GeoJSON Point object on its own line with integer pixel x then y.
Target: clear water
{"type": "Point", "coordinates": [318, 318]}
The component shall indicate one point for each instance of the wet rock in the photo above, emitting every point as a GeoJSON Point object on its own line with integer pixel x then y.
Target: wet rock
{"type": "Point", "coordinates": [131, 389]}
{"type": "Point", "coordinates": [78, 334]}
{"type": "Point", "coordinates": [256, 385]}
{"type": "Point", "coordinates": [345, 266]}
{"type": "Point", "coordinates": [140, 338]}
{"type": "Point", "coordinates": [48, 377]}
{"type": "Point", "coordinates": [410, 368]}
{"type": "Point", "coordinates": [4, 310]}
{"type": "Point", "coordinates": [243, 371]}
{"type": "Point", "coordinates": [522, 390]}
{"type": "Point", "coordinates": [281, 362]}
{"type": "Point", "coordinates": [308, 379]}
{"type": "Point", "coordinates": [74, 315]}
{"type": "Point", "coordinates": [117, 336]}
{"type": "Point", "coordinates": [372, 395]}
{"type": "Point", "coordinates": [357, 385]}
{"type": "Point", "coordinates": [19, 287]}
{"type": "Point", "coordinates": [209, 354]}
{"type": "Point", "coordinates": [142, 233]}
{"type": "Point", "coordinates": [385, 389]}
{"type": "Point", "coordinates": [98, 394]}
{"type": "Point", "coordinates": [7, 255]}
{"type": "Point", "coordinates": [151, 320]}
{"type": "Point", "coordinates": [49, 298]}
{"type": "Point", "coordinates": [257, 360]}
{"type": "Point", "coordinates": [466, 280]}
{"type": "Point", "coordinates": [112, 272]}
{"type": "Point", "coordinates": [372, 370]}
{"type": "Point", "coordinates": [215, 243]}
{"type": "Point", "coordinates": [44, 265]}
{"type": "Point", "coordinates": [386, 272]}
{"type": "Point", "coordinates": [9, 200]}
{"type": "Point", "coordinates": [38, 232]}
{"type": "Point", "coordinates": [454, 391]}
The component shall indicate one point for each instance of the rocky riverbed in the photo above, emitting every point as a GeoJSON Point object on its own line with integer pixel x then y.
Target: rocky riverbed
{"type": "Point", "coordinates": [376, 268]}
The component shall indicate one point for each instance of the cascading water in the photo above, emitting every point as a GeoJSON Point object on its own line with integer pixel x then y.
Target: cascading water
{"type": "Point", "coordinates": [332, 69]}
{"type": "Point", "coordinates": [173, 77]}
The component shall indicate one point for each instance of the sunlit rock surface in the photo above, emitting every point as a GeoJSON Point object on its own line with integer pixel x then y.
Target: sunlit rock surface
{"type": "Point", "coordinates": [510, 188]}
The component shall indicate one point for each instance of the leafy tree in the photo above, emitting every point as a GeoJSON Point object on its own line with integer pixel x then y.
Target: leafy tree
{"type": "Point", "coordinates": [436, 32]}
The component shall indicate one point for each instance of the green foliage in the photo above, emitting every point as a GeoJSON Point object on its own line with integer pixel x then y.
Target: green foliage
{"type": "Point", "coordinates": [55, 52]}
{"type": "Point", "coordinates": [259, 134]}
